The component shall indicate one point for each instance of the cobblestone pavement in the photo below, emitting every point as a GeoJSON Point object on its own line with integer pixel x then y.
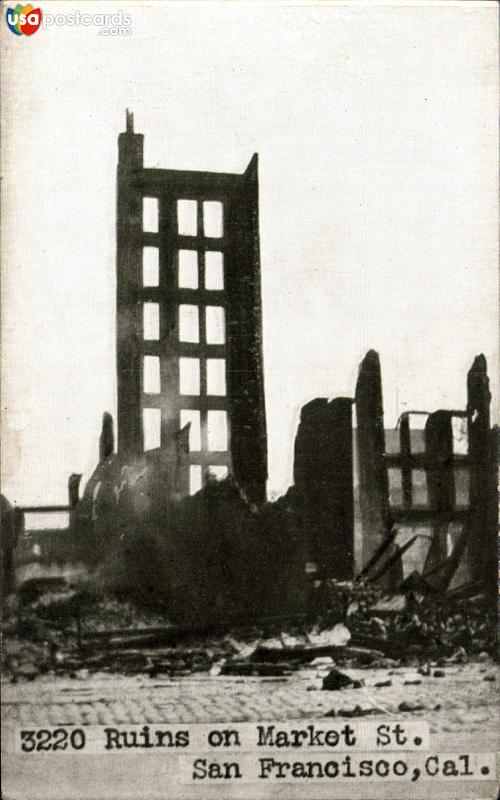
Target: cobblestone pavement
{"type": "Point", "coordinates": [465, 702]}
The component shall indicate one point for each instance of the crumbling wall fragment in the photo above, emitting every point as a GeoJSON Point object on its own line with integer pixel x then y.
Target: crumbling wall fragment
{"type": "Point", "coordinates": [323, 477]}
{"type": "Point", "coordinates": [373, 480]}
{"type": "Point", "coordinates": [483, 513]}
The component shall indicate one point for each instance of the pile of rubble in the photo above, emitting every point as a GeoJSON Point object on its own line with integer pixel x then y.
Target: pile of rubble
{"type": "Point", "coordinates": [423, 624]}
{"type": "Point", "coordinates": [354, 626]}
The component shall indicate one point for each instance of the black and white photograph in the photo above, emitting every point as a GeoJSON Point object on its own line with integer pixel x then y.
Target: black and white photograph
{"type": "Point", "coordinates": [249, 381]}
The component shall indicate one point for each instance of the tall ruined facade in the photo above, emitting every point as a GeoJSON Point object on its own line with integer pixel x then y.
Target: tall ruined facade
{"type": "Point", "coordinates": [189, 331]}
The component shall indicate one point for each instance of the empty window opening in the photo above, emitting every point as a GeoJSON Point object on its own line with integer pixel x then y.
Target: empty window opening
{"type": "Point", "coordinates": [151, 426]}
{"type": "Point", "coordinates": [192, 416]}
{"type": "Point", "coordinates": [217, 430]}
{"type": "Point", "coordinates": [186, 217]}
{"type": "Point", "coordinates": [194, 478]}
{"type": "Point", "coordinates": [151, 378]}
{"type": "Point", "coordinates": [38, 521]}
{"type": "Point", "coordinates": [150, 214]}
{"type": "Point", "coordinates": [151, 318]}
{"type": "Point", "coordinates": [189, 375]}
{"type": "Point", "coordinates": [417, 440]}
{"type": "Point", "coordinates": [215, 325]}
{"type": "Point", "coordinates": [419, 488]}
{"type": "Point", "coordinates": [188, 269]}
{"type": "Point", "coordinates": [212, 219]}
{"type": "Point", "coordinates": [216, 376]}
{"type": "Point", "coordinates": [395, 487]}
{"type": "Point", "coordinates": [462, 488]}
{"type": "Point", "coordinates": [392, 445]}
{"type": "Point", "coordinates": [460, 436]}
{"type": "Point", "coordinates": [217, 471]}
{"type": "Point", "coordinates": [416, 429]}
{"type": "Point", "coordinates": [150, 266]}
{"type": "Point", "coordinates": [189, 325]}
{"type": "Point", "coordinates": [214, 270]}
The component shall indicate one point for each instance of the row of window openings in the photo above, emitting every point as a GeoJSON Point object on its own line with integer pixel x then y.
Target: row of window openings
{"type": "Point", "coordinates": [420, 496]}
{"type": "Point", "coordinates": [189, 376]}
{"type": "Point", "coordinates": [187, 217]}
{"type": "Point", "coordinates": [187, 269]}
{"type": "Point", "coordinates": [217, 430]}
{"type": "Point", "coordinates": [189, 323]}
{"type": "Point", "coordinates": [460, 439]}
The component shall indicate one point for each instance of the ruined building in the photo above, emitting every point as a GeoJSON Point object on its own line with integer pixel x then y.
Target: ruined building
{"type": "Point", "coordinates": [365, 500]}
{"type": "Point", "coordinates": [388, 503]}
{"type": "Point", "coordinates": [189, 337]}
{"type": "Point", "coordinates": [435, 488]}
{"type": "Point", "coordinates": [153, 516]}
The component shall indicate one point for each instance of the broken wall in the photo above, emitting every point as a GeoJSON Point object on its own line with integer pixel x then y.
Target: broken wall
{"type": "Point", "coordinates": [483, 453]}
{"type": "Point", "coordinates": [370, 439]}
{"type": "Point", "coordinates": [434, 489]}
{"type": "Point", "coordinates": [323, 478]}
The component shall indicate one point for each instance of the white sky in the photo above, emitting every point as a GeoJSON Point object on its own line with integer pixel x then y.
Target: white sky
{"type": "Point", "coordinates": [377, 135]}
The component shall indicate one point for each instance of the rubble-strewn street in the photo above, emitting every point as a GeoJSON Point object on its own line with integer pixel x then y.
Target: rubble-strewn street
{"type": "Point", "coordinates": [75, 659]}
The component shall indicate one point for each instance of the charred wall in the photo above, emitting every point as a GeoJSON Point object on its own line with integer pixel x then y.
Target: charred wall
{"type": "Point", "coordinates": [434, 496]}
{"type": "Point", "coordinates": [323, 477]}
{"type": "Point", "coordinates": [483, 443]}
{"type": "Point", "coordinates": [370, 440]}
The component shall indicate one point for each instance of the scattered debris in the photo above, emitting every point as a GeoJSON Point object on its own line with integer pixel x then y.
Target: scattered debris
{"type": "Point", "coordinates": [460, 657]}
{"type": "Point", "coordinates": [321, 661]}
{"type": "Point", "coordinates": [336, 680]}
{"type": "Point", "coordinates": [65, 630]}
{"type": "Point", "coordinates": [363, 655]}
{"type": "Point", "coordinates": [357, 711]}
{"type": "Point", "coordinates": [252, 668]}
{"type": "Point", "coordinates": [289, 640]}
{"type": "Point", "coordinates": [407, 706]}
{"type": "Point", "coordinates": [338, 636]}
{"type": "Point", "coordinates": [483, 656]}
{"type": "Point", "coordinates": [396, 604]}
{"type": "Point", "coordinates": [387, 663]}
{"type": "Point", "coordinates": [29, 671]}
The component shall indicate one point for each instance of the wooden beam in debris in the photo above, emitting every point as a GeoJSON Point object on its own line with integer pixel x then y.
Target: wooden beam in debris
{"type": "Point", "coordinates": [390, 561]}
{"type": "Point", "coordinates": [156, 635]}
{"type": "Point", "coordinates": [379, 552]}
